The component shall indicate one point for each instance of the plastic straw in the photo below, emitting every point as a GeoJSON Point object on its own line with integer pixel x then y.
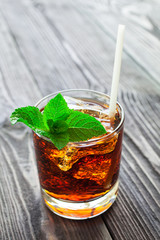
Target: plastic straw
{"type": "Point", "coordinates": [116, 71]}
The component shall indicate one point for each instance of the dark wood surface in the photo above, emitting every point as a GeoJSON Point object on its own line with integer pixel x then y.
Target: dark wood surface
{"type": "Point", "coordinates": [49, 45]}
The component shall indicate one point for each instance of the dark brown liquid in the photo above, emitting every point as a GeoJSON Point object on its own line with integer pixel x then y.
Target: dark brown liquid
{"type": "Point", "coordinates": [83, 172]}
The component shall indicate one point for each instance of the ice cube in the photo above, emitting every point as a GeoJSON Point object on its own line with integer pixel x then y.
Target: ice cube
{"type": "Point", "coordinates": [66, 157]}
{"type": "Point", "coordinates": [95, 169]}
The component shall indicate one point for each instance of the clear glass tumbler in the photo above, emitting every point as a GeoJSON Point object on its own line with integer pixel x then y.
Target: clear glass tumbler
{"type": "Point", "coordinates": [81, 180]}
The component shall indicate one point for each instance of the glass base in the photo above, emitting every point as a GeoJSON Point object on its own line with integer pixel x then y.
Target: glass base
{"type": "Point", "coordinates": [81, 210]}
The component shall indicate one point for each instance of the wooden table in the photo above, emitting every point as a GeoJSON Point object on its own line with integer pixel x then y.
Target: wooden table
{"type": "Point", "coordinates": [49, 45]}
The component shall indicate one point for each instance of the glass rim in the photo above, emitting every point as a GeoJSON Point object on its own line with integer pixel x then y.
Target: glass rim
{"type": "Point", "coordinates": [103, 137]}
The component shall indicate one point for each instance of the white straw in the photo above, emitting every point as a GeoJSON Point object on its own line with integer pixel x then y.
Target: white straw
{"type": "Point", "coordinates": [116, 71]}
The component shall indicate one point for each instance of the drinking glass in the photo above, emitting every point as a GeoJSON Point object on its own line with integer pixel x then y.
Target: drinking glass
{"type": "Point", "coordinates": [80, 181]}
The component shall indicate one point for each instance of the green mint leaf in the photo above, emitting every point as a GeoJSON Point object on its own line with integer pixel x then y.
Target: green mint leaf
{"type": "Point", "coordinates": [58, 126]}
{"type": "Point", "coordinates": [31, 116]}
{"type": "Point", "coordinates": [60, 140]}
{"type": "Point", "coordinates": [56, 109]}
{"type": "Point", "coordinates": [83, 127]}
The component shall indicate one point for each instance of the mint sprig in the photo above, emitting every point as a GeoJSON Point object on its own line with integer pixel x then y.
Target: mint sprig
{"type": "Point", "coordinates": [59, 123]}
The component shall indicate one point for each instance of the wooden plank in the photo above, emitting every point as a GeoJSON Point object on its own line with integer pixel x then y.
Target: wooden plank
{"type": "Point", "coordinates": [98, 42]}
{"type": "Point", "coordinates": [15, 77]}
{"type": "Point", "coordinates": [55, 43]}
{"type": "Point", "coordinates": [15, 201]}
{"type": "Point", "coordinates": [43, 51]}
{"type": "Point", "coordinates": [141, 39]}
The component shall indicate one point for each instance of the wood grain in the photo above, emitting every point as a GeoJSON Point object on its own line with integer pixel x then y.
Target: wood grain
{"type": "Point", "coordinates": [48, 45]}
